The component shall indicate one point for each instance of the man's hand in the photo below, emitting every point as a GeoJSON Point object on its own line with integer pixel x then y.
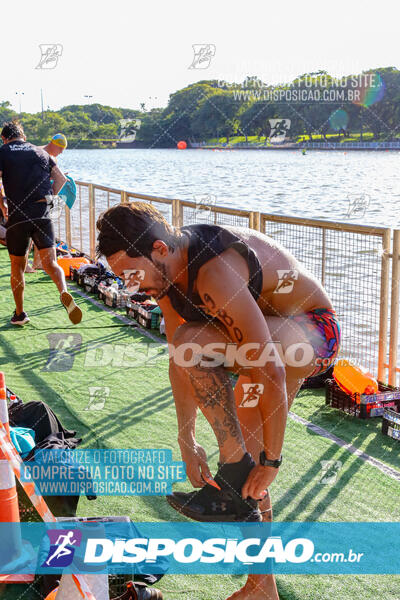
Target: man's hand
{"type": "Point", "coordinates": [195, 458]}
{"type": "Point", "coordinates": [258, 481]}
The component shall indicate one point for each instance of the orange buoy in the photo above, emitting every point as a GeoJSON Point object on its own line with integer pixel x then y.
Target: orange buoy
{"type": "Point", "coordinates": [182, 145]}
{"type": "Point", "coordinates": [353, 379]}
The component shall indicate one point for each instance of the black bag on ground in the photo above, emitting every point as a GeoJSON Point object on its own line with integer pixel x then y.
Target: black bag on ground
{"type": "Point", "coordinates": [39, 417]}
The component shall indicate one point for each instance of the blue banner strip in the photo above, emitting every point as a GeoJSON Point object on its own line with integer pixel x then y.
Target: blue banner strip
{"type": "Point", "coordinates": [98, 546]}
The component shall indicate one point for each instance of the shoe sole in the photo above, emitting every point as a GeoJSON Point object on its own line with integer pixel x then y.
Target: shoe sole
{"type": "Point", "coordinates": [192, 514]}
{"type": "Point", "coordinates": [20, 323]}
{"type": "Point", "coordinates": [73, 310]}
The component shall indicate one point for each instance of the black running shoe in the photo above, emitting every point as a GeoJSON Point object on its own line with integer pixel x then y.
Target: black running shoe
{"type": "Point", "coordinates": [19, 319]}
{"type": "Point", "coordinates": [227, 504]}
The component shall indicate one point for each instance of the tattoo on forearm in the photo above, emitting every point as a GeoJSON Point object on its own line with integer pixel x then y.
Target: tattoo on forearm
{"type": "Point", "coordinates": [225, 318]}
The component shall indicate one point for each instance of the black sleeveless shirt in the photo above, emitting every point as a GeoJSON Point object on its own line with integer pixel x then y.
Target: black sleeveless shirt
{"type": "Point", "coordinates": [206, 242]}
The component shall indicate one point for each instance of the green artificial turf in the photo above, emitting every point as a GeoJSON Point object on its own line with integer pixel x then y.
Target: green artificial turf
{"type": "Point", "coordinates": [139, 413]}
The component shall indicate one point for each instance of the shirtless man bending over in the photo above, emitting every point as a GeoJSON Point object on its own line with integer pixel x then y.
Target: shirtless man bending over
{"type": "Point", "coordinates": [237, 294]}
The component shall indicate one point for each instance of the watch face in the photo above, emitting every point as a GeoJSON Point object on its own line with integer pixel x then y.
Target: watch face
{"type": "Point", "coordinates": [264, 461]}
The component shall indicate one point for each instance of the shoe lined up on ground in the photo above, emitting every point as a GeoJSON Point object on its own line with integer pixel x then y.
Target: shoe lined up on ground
{"type": "Point", "coordinates": [20, 319]}
{"type": "Point", "coordinates": [227, 504]}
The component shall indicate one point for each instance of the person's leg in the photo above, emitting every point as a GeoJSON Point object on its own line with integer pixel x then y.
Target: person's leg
{"type": "Point", "coordinates": [258, 587]}
{"type": "Point", "coordinates": [18, 237]}
{"type": "Point", "coordinates": [52, 268]}
{"type": "Point", "coordinates": [210, 388]}
{"type": "Point", "coordinates": [18, 264]}
{"type": "Point", "coordinates": [44, 239]}
{"type": "Point", "coordinates": [36, 258]}
{"type": "Point", "coordinates": [28, 267]}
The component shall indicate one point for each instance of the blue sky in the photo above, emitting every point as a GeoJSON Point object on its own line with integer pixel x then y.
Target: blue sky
{"type": "Point", "coordinates": [124, 53]}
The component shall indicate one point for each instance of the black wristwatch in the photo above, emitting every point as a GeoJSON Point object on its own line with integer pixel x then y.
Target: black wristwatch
{"type": "Point", "coordinates": [265, 462]}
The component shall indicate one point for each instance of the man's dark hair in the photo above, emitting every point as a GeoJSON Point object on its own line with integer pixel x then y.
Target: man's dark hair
{"type": "Point", "coordinates": [12, 129]}
{"type": "Point", "coordinates": [134, 228]}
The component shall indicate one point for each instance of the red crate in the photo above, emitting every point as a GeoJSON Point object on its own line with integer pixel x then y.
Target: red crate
{"type": "Point", "coordinates": [363, 406]}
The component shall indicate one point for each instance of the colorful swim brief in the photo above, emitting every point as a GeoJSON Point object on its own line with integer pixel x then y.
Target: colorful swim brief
{"type": "Point", "coordinates": [323, 330]}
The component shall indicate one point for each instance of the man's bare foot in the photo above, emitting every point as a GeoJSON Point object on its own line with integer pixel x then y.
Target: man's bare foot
{"type": "Point", "coordinates": [258, 587]}
{"type": "Point", "coordinates": [29, 269]}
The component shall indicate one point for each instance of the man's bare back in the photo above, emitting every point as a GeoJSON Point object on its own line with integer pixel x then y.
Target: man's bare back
{"type": "Point", "coordinates": [307, 294]}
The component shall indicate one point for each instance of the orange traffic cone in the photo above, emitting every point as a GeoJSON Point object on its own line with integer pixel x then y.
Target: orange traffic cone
{"type": "Point", "coordinates": [10, 553]}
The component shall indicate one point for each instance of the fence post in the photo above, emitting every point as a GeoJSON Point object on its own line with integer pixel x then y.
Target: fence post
{"type": "Point", "coordinates": [92, 223]}
{"type": "Point", "coordinates": [177, 213]}
{"type": "Point", "coordinates": [255, 221]}
{"type": "Point", "coordinates": [323, 257]}
{"type": "Point", "coordinates": [123, 197]}
{"type": "Point", "coordinates": [394, 308]}
{"type": "Point", "coordinates": [384, 307]}
{"type": "Point", "coordinates": [68, 227]}
{"type": "Point", "coordinates": [174, 214]}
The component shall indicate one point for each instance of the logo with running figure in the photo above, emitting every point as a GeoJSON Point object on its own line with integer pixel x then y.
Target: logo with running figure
{"type": "Point", "coordinates": [329, 471]}
{"type": "Point", "coordinates": [204, 206]}
{"type": "Point", "coordinates": [252, 393]}
{"type": "Point", "coordinates": [97, 397]}
{"type": "Point", "coordinates": [128, 129]}
{"type": "Point", "coordinates": [62, 547]}
{"type": "Point", "coordinates": [279, 129]}
{"type": "Point", "coordinates": [358, 204]}
{"type": "Point", "coordinates": [63, 347]}
{"type": "Point", "coordinates": [50, 53]}
{"type": "Point", "coordinates": [286, 279]}
{"type": "Point", "coordinates": [133, 279]}
{"type": "Point", "coordinates": [203, 53]}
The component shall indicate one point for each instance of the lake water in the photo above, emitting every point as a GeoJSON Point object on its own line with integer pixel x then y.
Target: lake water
{"type": "Point", "coordinates": [322, 185]}
{"type": "Point", "coordinates": [318, 185]}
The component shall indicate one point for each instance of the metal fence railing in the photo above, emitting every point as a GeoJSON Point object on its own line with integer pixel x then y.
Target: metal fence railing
{"type": "Point", "coordinates": [358, 265]}
{"type": "Point", "coordinates": [352, 263]}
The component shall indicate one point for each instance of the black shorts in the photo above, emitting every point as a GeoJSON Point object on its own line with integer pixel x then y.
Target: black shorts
{"type": "Point", "coordinates": [19, 235]}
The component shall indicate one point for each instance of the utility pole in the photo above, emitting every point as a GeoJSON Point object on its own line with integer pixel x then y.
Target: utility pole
{"type": "Point", "coordinates": [19, 94]}
{"type": "Point", "coordinates": [41, 98]}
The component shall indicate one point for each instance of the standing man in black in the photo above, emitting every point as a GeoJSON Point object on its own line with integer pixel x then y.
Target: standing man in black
{"type": "Point", "coordinates": [26, 171]}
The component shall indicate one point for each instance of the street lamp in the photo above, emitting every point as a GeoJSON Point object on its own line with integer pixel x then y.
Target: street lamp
{"type": "Point", "coordinates": [87, 96]}
{"type": "Point", "coordinates": [19, 94]}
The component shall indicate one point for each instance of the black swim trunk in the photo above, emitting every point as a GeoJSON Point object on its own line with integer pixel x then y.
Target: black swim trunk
{"type": "Point", "coordinates": [38, 227]}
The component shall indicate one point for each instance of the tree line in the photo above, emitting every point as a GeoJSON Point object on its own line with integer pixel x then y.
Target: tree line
{"type": "Point", "coordinates": [315, 105]}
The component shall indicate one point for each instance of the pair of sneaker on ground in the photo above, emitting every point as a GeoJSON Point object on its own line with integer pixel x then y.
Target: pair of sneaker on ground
{"type": "Point", "coordinates": [73, 310]}
{"type": "Point", "coordinates": [224, 504]}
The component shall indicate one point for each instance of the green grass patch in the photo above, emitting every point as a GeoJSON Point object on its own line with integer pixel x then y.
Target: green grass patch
{"type": "Point", "coordinates": [140, 412]}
